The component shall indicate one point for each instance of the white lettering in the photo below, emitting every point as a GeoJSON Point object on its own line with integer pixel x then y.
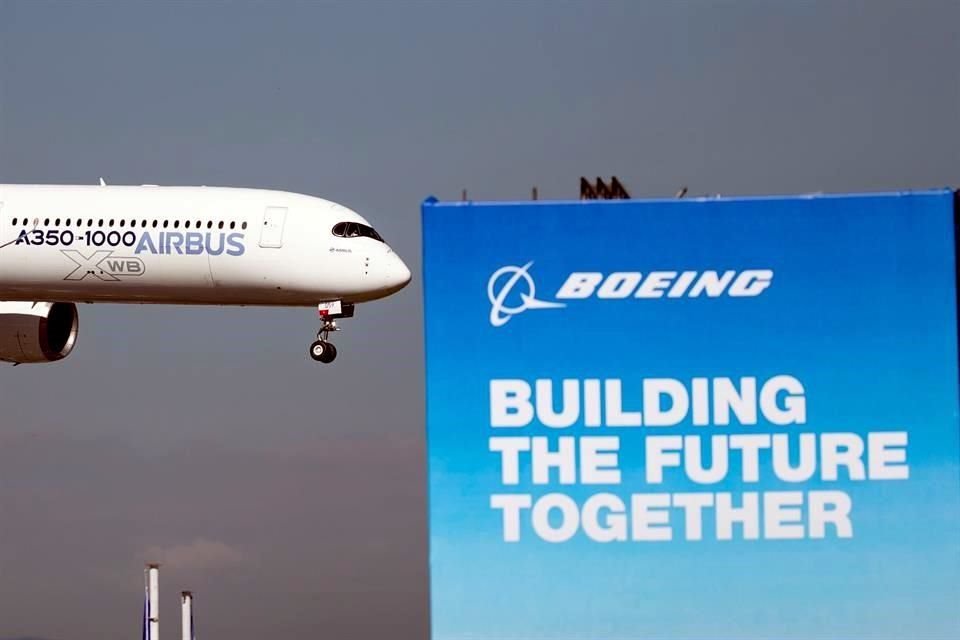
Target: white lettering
{"type": "Point", "coordinates": [569, 517]}
{"type": "Point", "coordinates": [751, 282]}
{"type": "Point", "coordinates": [509, 449]}
{"type": "Point", "coordinates": [510, 403]}
{"type": "Point", "coordinates": [570, 402]}
{"type": "Point", "coordinates": [655, 284]}
{"type": "Point", "coordinates": [651, 520]}
{"type": "Point", "coordinates": [619, 285]}
{"type": "Point", "coordinates": [511, 505]}
{"type": "Point", "coordinates": [782, 515]}
{"type": "Point", "coordinates": [580, 285]}
{"type": "Point", "coordinates": [661, 451]}
{"type": "Point", "coordinates": [654, 389]}
{"type": "Point", "coordinates": [599, 460]}
{"type": "Point", "coordinates": [563, 459]}
{"type": "Point", "coordinates": [614, 527]}
{"type": "Point", "coordinates": [888, 455]}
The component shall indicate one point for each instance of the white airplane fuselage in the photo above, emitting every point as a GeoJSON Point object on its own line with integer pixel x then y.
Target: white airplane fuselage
{"type": "Point", "coordinates": [188, 245]}
{"type": "Point", "coordinates": [62, 245]}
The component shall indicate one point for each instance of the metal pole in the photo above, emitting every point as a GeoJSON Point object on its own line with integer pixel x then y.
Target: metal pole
{"type": "Point", "coordinates": [152, 612]}
{"type": "Point", "coordinates": [187, 631]}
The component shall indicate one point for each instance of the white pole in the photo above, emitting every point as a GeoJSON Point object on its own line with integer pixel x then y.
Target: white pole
{"type": "Point", "coordinates": [186, 616]}
{"type": "Point", "coordinates": [153, 602]}
{"type": "Point", "coordinates": [145, 624]}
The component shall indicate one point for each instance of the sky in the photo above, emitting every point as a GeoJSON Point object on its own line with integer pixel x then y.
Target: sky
{"type": "Point", "coordinates": [289, 496]}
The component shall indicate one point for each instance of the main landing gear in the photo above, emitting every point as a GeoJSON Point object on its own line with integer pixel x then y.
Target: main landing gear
{"type": "Point", "coordinates": [322, 350]}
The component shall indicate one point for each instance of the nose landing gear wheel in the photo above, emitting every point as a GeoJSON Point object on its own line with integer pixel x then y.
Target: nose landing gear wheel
{"type": "Point", "coordinates": [323, 351]}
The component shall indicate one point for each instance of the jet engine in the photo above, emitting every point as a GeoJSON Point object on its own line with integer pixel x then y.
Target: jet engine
{"type": "Point", "coordinates": [37, 331]}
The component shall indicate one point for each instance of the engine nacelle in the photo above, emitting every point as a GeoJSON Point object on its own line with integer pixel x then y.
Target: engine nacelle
{"type": "Point", "coordinates": [37, 331]}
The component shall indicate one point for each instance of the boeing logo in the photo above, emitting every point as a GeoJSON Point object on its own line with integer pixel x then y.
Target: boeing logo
{"type": "Point", "coordinates": [618, 285]}
{"type": "Point", "coordinates": [500, 312]}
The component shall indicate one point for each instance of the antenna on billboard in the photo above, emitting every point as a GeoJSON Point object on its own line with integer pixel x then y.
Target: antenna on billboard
{"type": "Point", "coordinates": [600, 190]}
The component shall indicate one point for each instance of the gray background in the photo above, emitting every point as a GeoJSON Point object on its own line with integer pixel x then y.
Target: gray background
{"type": "Point", "coordinates": [290, 496]}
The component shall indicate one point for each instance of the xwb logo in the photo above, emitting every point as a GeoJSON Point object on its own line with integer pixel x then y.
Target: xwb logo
{"type": "Point", "coordinates": [103, 265]}
{"type": "Point", "coordinates": [501, 285]}
{"type": "Point", "coordinates": [618, 285]}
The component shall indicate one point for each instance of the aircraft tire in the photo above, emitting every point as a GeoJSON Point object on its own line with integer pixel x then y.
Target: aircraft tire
{"type": "Point", "coordinates": [329, 354]}
{"type": "Point", "coordinates": [318, 351]}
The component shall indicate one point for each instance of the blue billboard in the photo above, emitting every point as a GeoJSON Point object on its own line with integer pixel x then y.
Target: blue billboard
{"type": "Point", "coordinates": [693, 419]}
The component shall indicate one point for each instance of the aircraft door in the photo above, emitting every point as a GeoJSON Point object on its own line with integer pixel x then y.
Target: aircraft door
{"type": "Point", "coordinates": [271, 233]}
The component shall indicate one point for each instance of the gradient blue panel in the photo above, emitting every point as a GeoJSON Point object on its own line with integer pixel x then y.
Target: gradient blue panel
{"type": "Point", "coordinates": [861, 309]}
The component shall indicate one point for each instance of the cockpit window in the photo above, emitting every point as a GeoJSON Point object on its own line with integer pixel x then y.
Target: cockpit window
{"type": "Point", "coordinates": [355, 230]}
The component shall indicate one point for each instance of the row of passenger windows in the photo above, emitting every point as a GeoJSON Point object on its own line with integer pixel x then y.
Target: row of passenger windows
{"type": "Point", "coordinates": [187, 224]}
{"type": "Point", "coordinates": [354, 230]}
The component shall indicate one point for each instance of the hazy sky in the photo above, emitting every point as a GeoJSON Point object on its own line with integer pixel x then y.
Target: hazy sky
{"type": "Point", "coordinates": [289, 495]}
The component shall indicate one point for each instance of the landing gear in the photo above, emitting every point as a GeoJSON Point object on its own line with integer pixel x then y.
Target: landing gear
{"type": "Point", "coordinates": [322, 350]}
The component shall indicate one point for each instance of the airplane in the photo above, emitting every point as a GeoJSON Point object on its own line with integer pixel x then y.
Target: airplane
{"type": "Point", "coordinates": [66, 244]}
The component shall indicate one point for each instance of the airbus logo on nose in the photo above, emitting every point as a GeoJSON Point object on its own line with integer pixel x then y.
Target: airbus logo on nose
{"type": "Point", "coordinates": [618, 285]}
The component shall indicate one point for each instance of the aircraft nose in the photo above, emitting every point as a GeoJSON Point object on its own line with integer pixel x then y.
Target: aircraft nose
{"type": "Point", "coordinates": [396, 272]}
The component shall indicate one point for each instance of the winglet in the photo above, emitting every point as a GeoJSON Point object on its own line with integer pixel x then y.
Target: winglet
{"type": "Point", "coordinates": [102, 182]}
